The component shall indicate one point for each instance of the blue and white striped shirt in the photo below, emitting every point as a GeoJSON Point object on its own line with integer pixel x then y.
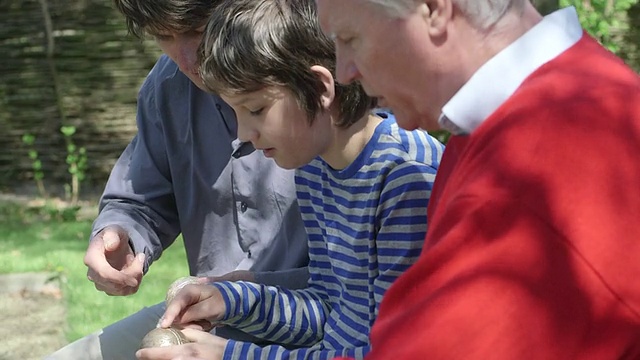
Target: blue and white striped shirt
{"type": "Point", "coordinates": [366, 225]}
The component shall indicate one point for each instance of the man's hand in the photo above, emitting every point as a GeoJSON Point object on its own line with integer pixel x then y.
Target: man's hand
{"type": "Point", "coordinates": [203, 346]}
{"type": "Point", "coordinates": [113, 267]}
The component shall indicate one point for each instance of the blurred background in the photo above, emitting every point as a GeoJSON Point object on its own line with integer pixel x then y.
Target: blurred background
{"type": "Point", "coordinates": [66, 63]}
{"type": "Point", "coordinates": [70, 63]}
{"type": "Point", "coordinates": [69, 75]}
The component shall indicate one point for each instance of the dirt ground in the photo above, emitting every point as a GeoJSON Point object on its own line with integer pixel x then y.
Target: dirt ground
{"type": "Point", "coordinates": [32, 313]}
{"type": "Point", "coordinates": [32, 323]}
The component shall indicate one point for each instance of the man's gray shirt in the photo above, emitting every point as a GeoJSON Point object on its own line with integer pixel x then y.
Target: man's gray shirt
{"type": "Point", "coordinates": [178, 175]}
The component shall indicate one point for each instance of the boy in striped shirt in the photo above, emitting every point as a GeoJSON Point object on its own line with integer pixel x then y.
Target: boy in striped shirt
{"type": "Point", "coordinates": [363, 186]}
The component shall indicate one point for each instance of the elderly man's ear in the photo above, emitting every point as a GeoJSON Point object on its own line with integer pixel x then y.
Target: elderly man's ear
{"type": "Point", "coordinates": [437, 14]}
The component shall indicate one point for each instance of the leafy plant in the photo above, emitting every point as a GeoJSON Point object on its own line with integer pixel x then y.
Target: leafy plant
{"type": "Point", "coordinates": [442, 135]}
{"type": "Point", "coordinates": [606, 20]}
{"type": "Point", "coordinates": [77, 163]}
{"type": "Point", "coordinates": [36, 164]}
{"type": "Point", "coordinates": [64, 213]}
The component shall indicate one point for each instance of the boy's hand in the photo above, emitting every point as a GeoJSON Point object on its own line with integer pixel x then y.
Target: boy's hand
{"type": "Point", "coordinates": [193, 304]}
{"type": "Point", "coordinates": [203, 346]}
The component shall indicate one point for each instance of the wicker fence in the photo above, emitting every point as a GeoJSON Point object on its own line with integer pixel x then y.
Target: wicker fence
{"type": "Point", "coordinates": [71, 62]}
{"type": "Point", "coordinates": [66, 62]}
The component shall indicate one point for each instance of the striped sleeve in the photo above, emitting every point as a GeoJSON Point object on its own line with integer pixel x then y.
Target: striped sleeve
{"type": "Point", "coordinates": [275, 314]}
{"type": "Point", "coordinates": [244, 350]}
{"type": "Point", "coordinates": [402, 222]}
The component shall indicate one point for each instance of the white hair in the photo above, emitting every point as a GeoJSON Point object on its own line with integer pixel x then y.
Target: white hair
{"type": "Point", "coordinates": [396, 8]}
{"type": "Point", "coordinates": [481, 13]}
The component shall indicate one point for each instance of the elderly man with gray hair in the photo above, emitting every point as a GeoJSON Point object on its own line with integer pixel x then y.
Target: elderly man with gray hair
{"type": "Point", "coordinates": [534, 213]}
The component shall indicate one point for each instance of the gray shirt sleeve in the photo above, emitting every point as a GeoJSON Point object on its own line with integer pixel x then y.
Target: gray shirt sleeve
{"type": "Point", "coordinates": [139, 194]}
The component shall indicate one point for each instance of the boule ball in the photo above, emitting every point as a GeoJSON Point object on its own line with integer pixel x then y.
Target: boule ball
{"type": "Point", "coordinates": [160, 337]}
{"type": "Point", "coordinates": [177, 285]}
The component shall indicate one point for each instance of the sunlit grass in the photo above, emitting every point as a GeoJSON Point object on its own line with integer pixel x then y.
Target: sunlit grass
{"type": "Point", "coordinates": [59, 247]}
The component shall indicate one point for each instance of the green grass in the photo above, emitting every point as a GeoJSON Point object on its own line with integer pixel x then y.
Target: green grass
{"type": "Point", "coordinates": [28, 245]}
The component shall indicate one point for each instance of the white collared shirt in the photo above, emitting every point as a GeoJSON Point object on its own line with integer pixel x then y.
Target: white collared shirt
{"type": "Point", "coordinates": [495, 81]}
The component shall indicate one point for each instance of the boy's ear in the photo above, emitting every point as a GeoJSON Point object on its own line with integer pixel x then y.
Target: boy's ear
{"type": "Point", "coordinates": [325, 76]}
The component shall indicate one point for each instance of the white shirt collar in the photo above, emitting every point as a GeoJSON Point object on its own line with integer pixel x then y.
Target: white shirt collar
{"type": "Point", "coordinates": [498, 79]}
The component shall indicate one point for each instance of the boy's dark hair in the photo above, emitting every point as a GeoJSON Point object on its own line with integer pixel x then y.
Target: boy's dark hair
{"type": "Point", "coordinates": [152, 16]}
{"type": "Point", "coordinates": [251, 44]}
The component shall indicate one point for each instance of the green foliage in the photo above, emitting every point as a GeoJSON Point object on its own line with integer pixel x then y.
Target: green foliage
{"type": "Point", "coordinates": [36, 164]}
{"type": "Point", "coordinates": [546, 7]}
{"type": "Point", "coordinates": [68, 131]}
{"type": "Point", "coordinates": [62, 214]}
{"type": "Point", "coordinates": [630, 51]}
{"type": "Point", "coordinates": [76, 161]}
{"type": "Point", "coordinates": [441, 135]}
{"type": "Point", "coordinates": [59, 247]}
{"type": "Point", "coordinates": [44, 210]}
{"type": "Point", "coordinates": [606, 20]}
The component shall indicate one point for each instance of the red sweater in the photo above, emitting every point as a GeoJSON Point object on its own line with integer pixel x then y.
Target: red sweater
{"type": "Point", "coordinates": [533, 249]}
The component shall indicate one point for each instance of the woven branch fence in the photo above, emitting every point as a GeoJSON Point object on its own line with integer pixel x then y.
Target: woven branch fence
{"type": "Point", "coordinates": [71, 62]}
{"type": "Point", "coordinates": [66, 62]}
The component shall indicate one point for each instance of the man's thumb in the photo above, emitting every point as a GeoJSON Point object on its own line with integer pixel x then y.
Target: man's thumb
{"type": "Point", "coordinates": [111, 240]}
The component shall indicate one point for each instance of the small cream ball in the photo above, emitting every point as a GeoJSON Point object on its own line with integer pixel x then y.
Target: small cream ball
{"type": "Point", "coordinates": [160, 337]}
{"type": "Point", "coordinates": [177, 285]}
